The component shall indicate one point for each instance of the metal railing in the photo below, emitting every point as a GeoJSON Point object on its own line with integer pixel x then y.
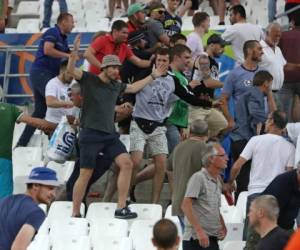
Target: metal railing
{"type": "Point", "coordinates": [9, 51]}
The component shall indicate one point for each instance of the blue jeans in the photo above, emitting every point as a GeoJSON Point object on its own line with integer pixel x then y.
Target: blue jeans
{"type": "Point", "coordinates": [48, 10]}
{"type": "Point", "coordinates": [173, 137]}
{"type": "Point", "coordinates": [39, 80]}
{"type": "Point", "coordinates": [272, 10]}
{"type": "Point", "coordinates": [6, 178]}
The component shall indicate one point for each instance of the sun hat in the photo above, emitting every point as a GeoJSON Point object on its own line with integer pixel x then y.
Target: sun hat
{"type": "Point", "coordinates": [110, 60]}
{"type": "Point", "coordinates": [44, 176]}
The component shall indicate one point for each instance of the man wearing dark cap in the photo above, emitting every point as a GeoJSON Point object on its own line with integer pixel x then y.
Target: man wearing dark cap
{"type": "Point", "coordinates": [129, 71]}
{"type": "Point", "coordinates": [20, 215]}
{"type": "Point", "coordinates": [155, 29]}
{"type": "Point", "coordinates": [100, 93]}
{"type": "Point", "coordinates": [136, 16]}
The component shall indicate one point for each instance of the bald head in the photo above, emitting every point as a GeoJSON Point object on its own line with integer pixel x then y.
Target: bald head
{"type": "Point", "coordinates": [165, 234]}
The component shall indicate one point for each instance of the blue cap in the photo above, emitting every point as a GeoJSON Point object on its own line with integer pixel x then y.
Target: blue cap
{"type": "Point", "coordinates": [44, 176]}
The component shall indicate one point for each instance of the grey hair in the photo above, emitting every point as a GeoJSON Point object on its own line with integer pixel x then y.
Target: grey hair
{"type": "Point", "coordinates": [75, 86]}
{"type": "Point", "coordinates": [271, 25]}
{"type": "Point", "coordinates": [199, 127]}
{"type": "Point", "coordinates": [210, 152]}
{"type": "Point", "coordinates": [269, 204]}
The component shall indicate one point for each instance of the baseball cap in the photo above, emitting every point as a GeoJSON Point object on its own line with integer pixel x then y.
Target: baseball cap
{"type": "Point", "coordinates": [44, 176]}
{"type": "Point", "coordinates": [110, 60]}
{"type": "Point", "coordinates": [156, 5]}
{"type": "Point", "coordinates": [215, 38]}
{"type": "Point", "coordinates": [135, 36]}
{"type": "Point", "coordinates": [134, 8]}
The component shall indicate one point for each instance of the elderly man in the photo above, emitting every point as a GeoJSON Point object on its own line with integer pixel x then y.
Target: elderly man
{"type": "Point", "coordinates": [273, 60]}
{"type": "Point", "coordinates": [204, 224]}
{"type": "Point", "coordinates": [20, 215]}
{"type": "Point", "coordinates": [263, 216]}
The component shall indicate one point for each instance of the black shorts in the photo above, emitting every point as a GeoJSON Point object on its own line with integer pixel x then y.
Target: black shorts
{"type": "Point", "coordinates": [195, 4]}
{"type": "Point", "coordinates": [93, 142]}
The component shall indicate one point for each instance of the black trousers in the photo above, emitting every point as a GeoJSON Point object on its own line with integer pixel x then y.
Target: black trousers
{"type": "Point", "coordinates": [194, 244]}
{"type": "Point", "coordinates": [242, 179]}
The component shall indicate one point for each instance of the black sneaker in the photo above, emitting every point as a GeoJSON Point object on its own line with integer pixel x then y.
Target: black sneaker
{"type": "Point", "coordinates": [125, 213]}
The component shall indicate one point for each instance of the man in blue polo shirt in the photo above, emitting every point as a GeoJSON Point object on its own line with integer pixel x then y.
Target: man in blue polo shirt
{"type": "Point", "coordinates": [20, 215]}
{"type": "Point", "coordinates": [52, 49]}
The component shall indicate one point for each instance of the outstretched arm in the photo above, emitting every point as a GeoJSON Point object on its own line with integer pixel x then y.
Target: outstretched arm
{"type": "Point", "coordinates": [75, 72]}
{"type": "Point", "coordinates": [139, 85]}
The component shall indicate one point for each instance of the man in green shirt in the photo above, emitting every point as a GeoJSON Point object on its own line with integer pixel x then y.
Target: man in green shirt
{"type": "Point", "coordinates": [9, 115]}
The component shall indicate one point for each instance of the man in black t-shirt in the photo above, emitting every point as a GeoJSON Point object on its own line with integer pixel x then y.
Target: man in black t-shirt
{"type": "Point", "coordinates": [263, 215]}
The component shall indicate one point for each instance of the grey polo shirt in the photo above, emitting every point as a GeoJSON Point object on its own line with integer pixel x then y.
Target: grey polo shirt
{"type": "Point", "coordinates": [206, 193]}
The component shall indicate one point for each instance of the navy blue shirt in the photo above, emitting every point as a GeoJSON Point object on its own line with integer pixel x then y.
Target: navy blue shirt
{"type": "Point", "coordinates": [15, 211]}
{"type": "Point", "coordinates": [44, 62]}
{"type": "Point", "coordinates": [172, 24]}
{"type": "Point", "coordinates": [285, 188]}
{"type": "Point", "coordinates": [249, 110]}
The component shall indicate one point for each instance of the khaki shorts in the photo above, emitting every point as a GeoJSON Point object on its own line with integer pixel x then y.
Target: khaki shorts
{"type": "Point", "coordinates": [214, 118]}
{"type": "Point", "coordinates": [156, 141]}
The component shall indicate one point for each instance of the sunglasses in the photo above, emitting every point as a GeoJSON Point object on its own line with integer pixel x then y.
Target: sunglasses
{"type": "Point", "coordinates": [159, 11]}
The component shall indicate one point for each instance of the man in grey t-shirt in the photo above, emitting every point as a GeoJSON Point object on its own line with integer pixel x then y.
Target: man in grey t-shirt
{"type": "Point", "coordinates": [100, 93]}
{"type": "Point", "coordinates": [155, 30]}
{"type": "Point", "coordinates": [204, 224]}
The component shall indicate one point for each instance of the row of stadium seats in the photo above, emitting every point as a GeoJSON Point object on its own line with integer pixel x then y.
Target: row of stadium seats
{"type": "Point", "coordinates": [90, 15]}
{"type": "Point", "coordinates": [100, 230]}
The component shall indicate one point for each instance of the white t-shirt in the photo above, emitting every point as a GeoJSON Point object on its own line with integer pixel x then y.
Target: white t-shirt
{"type": "Point", "coordinates": [238, 34]}
{"type": "Point", "coordinates": [194, 42]}
{"type": "Point", "coordinates": [273, 61]}
{"type": "Point", "coordinates": [270, 155]}
{"type": "Point", "coordinates": [58, 90]}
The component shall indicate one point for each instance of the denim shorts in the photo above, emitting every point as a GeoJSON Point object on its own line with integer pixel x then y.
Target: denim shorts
{"type": "Point", "coordinates": [93, 142]}
{"type": "Point", "coordinates": [6, 178]}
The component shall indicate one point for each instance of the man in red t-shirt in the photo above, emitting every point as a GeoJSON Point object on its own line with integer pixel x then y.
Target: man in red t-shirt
{"type": "Point", "coordinates": [113, 44]}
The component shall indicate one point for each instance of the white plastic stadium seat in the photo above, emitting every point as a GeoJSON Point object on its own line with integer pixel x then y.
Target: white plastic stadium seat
{"type": "Point", "coordinates": [28, 8]}
{"type": "Point", "coordinates": [40, 243]}
{"type": "Point", "coordinates": [44, 228]}
{"type": "Point", "coordinates": [147, 211]}
{"type": "Point", "coordinates": [234, 231]}
{"type": "Point", "coordinates": [108, 227]}
{"type": "Point", "coordinates": [234, 245]}
{"type": "Point", "coordinates": [43, 207]}
{"type": "Point", "coordinates": [168, 215]}
{"type": "Point", "coordinates": [141, 234]}
{"type": "Point", "coordinates": [63, 170]}
{"type": "Point", "coordinates": [99, 210]}
{"type": "Point", "coordinates": [74, 243]}
{"type": "Point", "coordinates": [94, 25]}
{"type": "Point", "coordinates": [242, 203]}
{"type": "Point", "coordinates": [114, 243]}
{"type": "Point", "coordinates": [28, 25]}
{"type": "Point", "coordinates": [62, 210]}
{"type": "Point", "coordinates": [68, 227]}
{"type": "Point", "coordinates": [108, 231]}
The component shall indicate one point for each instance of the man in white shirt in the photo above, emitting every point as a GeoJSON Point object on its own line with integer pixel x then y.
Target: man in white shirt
{"type": "Point", "coordinates": [201, 22]}
{"type": "Point", "coordinates": [57, 99]}
{"type": "Point", "coordinates": [240, 32]}
{"type": "Point", "coordinates": [272, 59]}
{"type": "Point", "coordinates": [271, 155]}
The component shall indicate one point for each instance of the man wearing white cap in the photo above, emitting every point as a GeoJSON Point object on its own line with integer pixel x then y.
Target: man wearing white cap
{"type": "Point", "coordinates": [20, 215]}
